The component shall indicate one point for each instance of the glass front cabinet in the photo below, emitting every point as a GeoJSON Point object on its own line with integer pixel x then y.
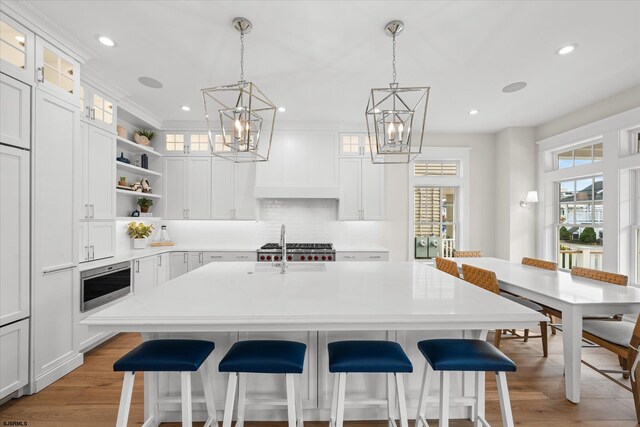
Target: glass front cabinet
{"type": "Point", "coordinates": [16, 50]}
{"type": "Point", "coordinates": [96, 108]}
{"type": "Point", "coordinates": [57, 73]}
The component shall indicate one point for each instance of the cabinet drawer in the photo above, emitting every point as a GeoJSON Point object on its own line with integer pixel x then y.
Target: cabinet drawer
{"type": "Point", "coordinates": [14, 341]}
{"type": "Point", "coordinates": [362, 256]}
{"type": "Point", "coordinates": [228, 256]}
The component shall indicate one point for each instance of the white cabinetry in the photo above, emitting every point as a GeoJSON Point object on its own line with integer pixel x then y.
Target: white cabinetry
{"type": "Point", "coordinates": [178, 264]}
{"type": "Point", "coordinates": [232, 190]}
{"type": "Point", "coordinates": [194, 260]}
{"type": "Point", "coordinates": [55, 291]}
{"type": "Point", "coordinates": [56, 72]}
{"type": "Point", "coordinates": [145, 274]}
{"type": "Point", "coordinates": [361, 190]}
{"type": "Point", "coordinates": [97, 150]}
{"type": "Point", "coordinates": [301, 165]}
{"type": "Point", "coordinates": [14, 232]}
{"type": "Point", "coordinates": [17, 53]}
{"type": "Point", "coordinates": [14, 363]}
{"type": "Point", "coordinates": [97, 108]}
{"type": "Point", "coordinates": [96, 239]}
{"type": "Point", "coordinates": [15, 110]}
{"type": "Point", "coordinates": [187, 188]}
{"type": "Point", "coordinates": [362, 256]}
{"type": "Point", "coordinates": [162, 269]}
{"type": "Point", "coordinates": [228, 256]}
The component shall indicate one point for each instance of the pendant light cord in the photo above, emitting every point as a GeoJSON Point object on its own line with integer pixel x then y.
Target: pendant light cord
{"type": "Point", "coordinates": [242, 56]}
{"type": "Point", "coordinates": [394, 58]}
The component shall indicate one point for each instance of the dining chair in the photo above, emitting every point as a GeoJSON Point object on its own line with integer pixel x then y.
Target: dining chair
{"type": "Point", "coordinates": [623, 339]}
{"type": "Point", "coordinates": [447, 266]}
{"type": "Point", "coordinates": [467, 254]}
{"type": "Point", "coordinates": [540, 263]}
{"type": "Point", "coordinates": [487, 280]}
{"type": "Point", "coordinates": [602, 276]}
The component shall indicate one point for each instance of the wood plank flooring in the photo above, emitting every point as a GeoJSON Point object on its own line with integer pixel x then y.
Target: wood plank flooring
{"type": "Point", "coordinates": [89, 396]}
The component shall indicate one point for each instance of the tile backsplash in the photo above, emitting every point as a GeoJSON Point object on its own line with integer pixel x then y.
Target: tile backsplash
{"type": "Point", "coordinates": [307, 220]}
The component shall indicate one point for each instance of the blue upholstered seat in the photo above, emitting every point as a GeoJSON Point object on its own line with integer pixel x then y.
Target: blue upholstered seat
{"type": "Point", "coordinates": [464, 355]}
{"type": "Point", "coordinates": [368, 356]}
{"type": "Point", "coordinates": [165, 355]}
{"type": "Point", "coordinates": [264, 357]}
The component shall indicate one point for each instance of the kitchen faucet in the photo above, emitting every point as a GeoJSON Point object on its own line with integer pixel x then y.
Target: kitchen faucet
{"type": "Point", "coordinates": [283, 243]}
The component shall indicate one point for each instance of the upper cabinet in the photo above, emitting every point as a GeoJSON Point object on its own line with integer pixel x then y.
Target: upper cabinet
{"type": "Point", "coordinates": [97, 149]}
{"type": "Point", "coordinates": [361, 190]}
{"type": "Point", "coordinates": [301, 165]}
{"type": "Point", "coordinates": [187, 188]}
{"type": "Point", "coordinates": [97, 108]}
{"type": "Point", "coordinates": [15, 110]}
{"type": "Point", "coordinates": [186, 144]}
{"type": "Point", "coordinates": [354, 145]}
{"type": "Point", "coordinates": [56, 72]}
{"type": "Point", "coordinates": [232, 189]}
{"type": "Point", "coordinates": [17, 45]}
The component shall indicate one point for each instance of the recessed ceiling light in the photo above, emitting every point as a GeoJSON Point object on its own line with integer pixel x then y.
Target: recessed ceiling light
{"type": "Point", "coordinates": [185, 108]}
{"type": "Point", "coordinates": [150, 82]}
{"type": "Point", "coordinates": [107, 41]}
{"type": "Point", "coordinates": [514, 87]}
{"type": "Point", "coordinates": [473, 112]}
{"type": "Point", "coordinates": [282, 109]}
{"type": "Point", "coordinates": [567, 49]}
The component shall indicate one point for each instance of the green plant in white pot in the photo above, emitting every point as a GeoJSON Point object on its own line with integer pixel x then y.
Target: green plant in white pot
{"type": "Point", "coordinates": [139, 233]}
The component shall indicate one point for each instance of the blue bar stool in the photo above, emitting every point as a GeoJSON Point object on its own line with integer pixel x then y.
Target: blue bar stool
{"type": "Point", "coordinates": [170, 355]}
{"type": "Point", "coordinates": [376, 357]}
{"type": "Point", "coordinates": [446, 355]}
{"type": "Point", "coordinates": [263, 357]}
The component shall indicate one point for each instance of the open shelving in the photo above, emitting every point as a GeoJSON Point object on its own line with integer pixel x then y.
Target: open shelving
{"type": "Point", "coordinates": [132, 147]}
{"type": "Point", "coordinates": [136, 169]}
{"type": "Point", "coordinates": [138, 194]}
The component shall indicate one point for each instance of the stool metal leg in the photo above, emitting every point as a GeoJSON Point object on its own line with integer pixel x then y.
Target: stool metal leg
{"type": "Point", "coordinates": [424, 394]}
{"type": "Point", "coordinates": [334, 401]}
{"type": "Point", "coordinates": [231, 396]}
{"type": "Point", "coordinates": [505, 403]}
{"type": "Point", "coordinates": [299, 415]}
{"type": "Point", "coordinates": [207, 385]}
{"type": "Point", "coordinates": [291, 400]}
{"type": "Point", "coordinates": [242, 398]}
{"type": "Point", "coordinates": [444, 398]}
{"type": "Point", "coordinates": [187, 415]}
{"type": "Point", "coordinates": [402, 403]}
{"type": "Point", "coordinates": [125, 399]}
{"type": "Point", "coordinates": [342, 382]}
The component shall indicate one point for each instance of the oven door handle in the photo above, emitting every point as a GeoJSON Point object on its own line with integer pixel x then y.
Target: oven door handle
{"type": "Point", "coordinates": [58, 268]}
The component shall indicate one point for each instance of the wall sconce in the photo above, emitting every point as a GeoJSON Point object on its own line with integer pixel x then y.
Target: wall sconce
{"type": "Point", "coordinates": [532, 197]}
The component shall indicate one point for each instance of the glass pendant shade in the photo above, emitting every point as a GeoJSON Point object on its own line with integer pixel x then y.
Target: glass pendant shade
{"type": "Point", "coordinates": [395, 123]}
{"type": "Point", "coordinates": [244, 116]}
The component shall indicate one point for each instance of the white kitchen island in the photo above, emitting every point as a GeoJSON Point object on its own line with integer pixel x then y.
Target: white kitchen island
{"type": "Point", "coordinates": [314, 304]}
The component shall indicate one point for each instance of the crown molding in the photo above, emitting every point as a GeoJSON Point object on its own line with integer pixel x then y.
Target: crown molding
{"type": "Point", "coordinates": [141, 113]}
{"type": "Point", "coordinates": [102, 83]}
{"type": "Point", "coordinates": [43, 26]}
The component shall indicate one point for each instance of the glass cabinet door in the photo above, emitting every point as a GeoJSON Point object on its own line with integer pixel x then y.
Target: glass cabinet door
{"type": "Point", "coordinates": [102, 109]}
{"type": "Point", "coordinates": [57, 72]}
{"type": "Point", "coordinates": [16, 50]}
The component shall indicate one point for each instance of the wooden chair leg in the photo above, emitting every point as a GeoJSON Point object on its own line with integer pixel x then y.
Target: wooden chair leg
{"type": "Point", "coordinates": [624, 365]}
{"type": "Point", "coordinates": [545, 339]}
{"type": "Point", "coordinates": [526, 335]}
{"type": "Point", "coordinates": [635, 388]}
{"type": "Point", "coordinates": [496, 340]}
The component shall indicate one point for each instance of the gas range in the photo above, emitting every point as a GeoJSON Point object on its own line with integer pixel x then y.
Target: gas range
{"type": "Point", "coordinates": [298, 252]}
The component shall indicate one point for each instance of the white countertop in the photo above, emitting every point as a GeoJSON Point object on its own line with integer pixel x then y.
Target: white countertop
{"type": "Point", "coordinates": [557, 285]}
{"type": "Point", "coordinates": [232, 296]}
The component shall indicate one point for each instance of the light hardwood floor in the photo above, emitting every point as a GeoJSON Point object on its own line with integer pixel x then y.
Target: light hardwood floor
{"type": "Point", "coordinates": [89, 396]}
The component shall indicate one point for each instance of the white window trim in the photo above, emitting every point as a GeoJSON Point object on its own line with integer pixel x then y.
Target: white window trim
{"type": "Point", "coordinates": [461, 156]}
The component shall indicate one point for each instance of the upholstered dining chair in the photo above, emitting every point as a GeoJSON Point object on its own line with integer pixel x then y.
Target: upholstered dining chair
{"type": "Point", "coordinates": [487, 280]}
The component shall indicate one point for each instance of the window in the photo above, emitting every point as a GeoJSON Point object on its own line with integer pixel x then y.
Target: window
{"type": "Point", "coordinates": [435, 169]}
{"type": "Point", "coordinates": [12, 45]}
{"type": "Point", "coordinates": [199, 142]}
{"type": "Point", "coordinates": [434, 215]}
{"type": "Point", "coordinates": [580, 156]}
{"type": "Point", "coordinates": [580, 215]}
{"type": "Point", "coordinates": [174, 142]}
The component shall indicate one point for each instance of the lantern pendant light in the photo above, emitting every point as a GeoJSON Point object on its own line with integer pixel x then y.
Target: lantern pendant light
{"type": "Point", "coordinates": [240, 118]}
{"type": "Point", "coordinates": [394, 113]}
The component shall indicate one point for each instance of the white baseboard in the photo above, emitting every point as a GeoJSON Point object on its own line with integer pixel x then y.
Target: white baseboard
{"type": "Point", "coordinates": [55, 374]}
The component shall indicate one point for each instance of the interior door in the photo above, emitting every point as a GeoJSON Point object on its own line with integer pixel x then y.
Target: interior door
{"type": "Point", "coordinates": [101, 174]}
{"type": "Point", "coordinates": [175, 173]}
{"type": "Point", "coordinates": [199, 188]}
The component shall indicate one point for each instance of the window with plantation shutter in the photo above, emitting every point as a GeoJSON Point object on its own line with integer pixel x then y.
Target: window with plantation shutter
{"type": "Point", "coordinates": [435, 169]}
{"type": "Point", "coordinates": [433, 215]}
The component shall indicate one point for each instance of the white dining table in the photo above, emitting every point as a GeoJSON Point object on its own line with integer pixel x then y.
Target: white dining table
{"type": "Point", "coordinates": [575, 297]}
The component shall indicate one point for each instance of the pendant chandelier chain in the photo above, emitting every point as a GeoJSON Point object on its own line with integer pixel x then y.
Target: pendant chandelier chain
{"type": "Point", "coordinates": [241, 55]}
{"type": "Point", "coordinates": [394, 58]}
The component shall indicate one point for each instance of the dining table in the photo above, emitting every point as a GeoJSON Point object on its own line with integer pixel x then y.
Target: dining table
{"type": "Point", "coordinates": [575, 297]}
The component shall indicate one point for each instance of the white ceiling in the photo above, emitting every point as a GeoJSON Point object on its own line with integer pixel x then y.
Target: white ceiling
{"type": "Point", "coordinates": [320, 58]}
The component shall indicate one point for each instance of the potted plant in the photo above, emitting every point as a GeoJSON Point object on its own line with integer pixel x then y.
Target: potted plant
{"type": "Point", "coordinates": [139, 233]}
{"type": "Point", "coordinates": [144, 136]}
{"type": "Point", "coordinates": [122, 181]}
{"type": "Point", "coordinates": [144, 204]}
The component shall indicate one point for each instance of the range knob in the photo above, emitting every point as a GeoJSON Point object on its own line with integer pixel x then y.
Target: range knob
{"type": "Point", "coordinates": [276, 258]}
{"type": "Point", "coordinates": [329, 257]}
{"type": "Point", "coordinates": [315, 257]}
{"type": "Point", "coordinates": [302, 258]}
{"type": "Point", "coordinates": [289, 257]}
{"type": "Point", "coordinates": [261, 257]}
{"type": "Point", "coordinates": [269, 257]}
{"type": "Point", "coordinates": [324, 257]}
